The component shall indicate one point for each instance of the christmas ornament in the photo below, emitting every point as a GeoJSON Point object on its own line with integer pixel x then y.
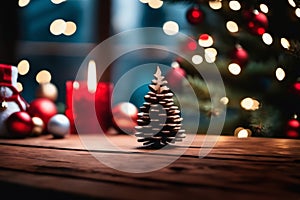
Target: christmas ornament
{"type": "Point", "coordinates": [43, 108]}
{"type": "Point", "coordinates": [195, 15]}
{"type": "Point", "coordinates": [296, 86]}
{"type": "Point", "coordinates": [38, 126]}
{"type": "Point", "coordinates": [257, 22]}
{"type": "Point", "coordinates": [159, 121]}
{"type": "Point", "coordinates": [47, 90]}
{"type": "Point", "coordinates": [10, 99]}
{"type": "Point", "coordinates": [239, 56]}
{"type": "Point", "coordinates": [19, 124]}
{"type": "Point", "coordinates": [293, 126]}
{"type": "Point", "coordinates": [175, 77]}
{"type": "Point", "coordinates": [59, 126]}
{"type": "Point", "coordinates": [124, 117]}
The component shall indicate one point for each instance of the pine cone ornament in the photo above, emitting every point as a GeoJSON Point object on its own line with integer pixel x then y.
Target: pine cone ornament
{"type": "Point", "coordinates": [159, 120]}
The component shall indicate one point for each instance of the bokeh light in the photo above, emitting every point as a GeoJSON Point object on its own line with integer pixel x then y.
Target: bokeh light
{"type": "Point", "coordinates": [23, 3]}
{"type": "Point", "coordinates": [171, 28]}
{"type": "Point", "coordinates": [264, 8]}
{"type": "Point", "coordinates": [234, 69]}
{"type": "Point", "coordinates": [43, 76]}
{"type": "Point", "coordinates": [58, 27]}
{"type": "Point", "coordinates": [205, 40]}
{"type": "Point", "coordinates": [267, 38]}
{"type": "Point", "coordinates": [70, 28]}
{"type": "Point", "coordinates": [232, 27]}
{"type": "Point", "coordinates": [285, 43]}
{"type": "Point", "coordinates": [23, 67]}
{"type": "Point", "coordinates": [215, 5]}
{"type": "Point", "coordinates": [234, 5]}
{"type": "Point", "coordinates": [19, 87]}
{"type": "Point", "coordinates": [280, 74]}
{"type": "Point", "coordinates": [197, 59]}
{"type": "Point", "coordinates": [57, 1]}
{"type": "Point", "coordinates": [155, 4]}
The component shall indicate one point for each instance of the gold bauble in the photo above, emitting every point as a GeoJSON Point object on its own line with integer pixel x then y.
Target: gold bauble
{"type": "Point", "coordinates": [47, 90]}
{"type": "Point", "coordinates": [38, 126]}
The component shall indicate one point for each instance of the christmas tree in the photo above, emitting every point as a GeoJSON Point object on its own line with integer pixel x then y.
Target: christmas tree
{"type": "Point", "coordinates": [159, 121]}
{"type": "Point", "coordinates": [255, 45]}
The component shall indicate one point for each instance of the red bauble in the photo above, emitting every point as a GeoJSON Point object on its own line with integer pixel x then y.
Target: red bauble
{"type": "Point", "coordinates": [19, 124]}
{"type": "Point", "coordinates": [293, 123]}
{"type": "Point", "coordinates": [125, 117]}
{"type": "Point", "coordinates": [292, 134]}
{"type": "Point", "coordinates": [239, 56]}
{"type": "Point", "coordinates": [297, 86]}
{"type": "Point", "coordinates": [257, 22]}
{"type": "Point", "coordinates": [43, 108]}
{"type": "Point", "coordinates": [175, 77]}
{"type": "Point", "coordinates": [194, 15]}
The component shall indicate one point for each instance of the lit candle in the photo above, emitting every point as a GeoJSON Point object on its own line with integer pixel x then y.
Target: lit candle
{"type": "Point", "coordinates": [87, 100]}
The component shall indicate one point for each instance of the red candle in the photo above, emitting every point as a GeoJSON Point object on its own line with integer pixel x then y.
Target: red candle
{"type": "Point", "coordinates": [89, 110]}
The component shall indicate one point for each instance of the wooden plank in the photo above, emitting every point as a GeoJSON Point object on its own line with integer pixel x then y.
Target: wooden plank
{"type": "Point", "coordinates": [235, 168]}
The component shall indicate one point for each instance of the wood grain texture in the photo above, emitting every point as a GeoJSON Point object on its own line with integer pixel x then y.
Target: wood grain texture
{"type": "Point", "coordinates": [253, 168]}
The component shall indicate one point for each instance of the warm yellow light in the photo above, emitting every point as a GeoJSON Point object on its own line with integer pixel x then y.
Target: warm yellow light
{"type": "Point", "coordinates": [264, 8]}
{"type": "Point", "coordinates": [205, 40]}
{"type": "Point", "coordinates": [171, 28]}
{"type": "Point", "coordinates": [23, 67]}
{"type": "Point", "coordinates": [197, 59]}
{"type": "Point", "coordinates": [210, 58]}
{"type": "Point", "coordinates": [70, 28]}
{"type": "Point", "coordinates": [224, 100]}
{"type": "Point", "coordinates": [211, 52]}
{"type": "Point", "coordinates": [280, 74]}
{"type": "Point", "coordinates": [232, 27]}
{"type": "Point", "coordinates": [247, 103]}
{"type": "Point", "coordinates": [43, 77]}
{"type": "Point", "coordinates": [234, 5]}
{"type": "Point", "coordinates": [23, 3]}
{"type": "Point", "coordinates": [175, 64]}
{"type": "Point", "coordinates": [92, 77]}
{"type": "Point", "coordinates": [234, 69]}
{"type": "Point", "coordinates": [58, 27]}
{"type": "Point", "coordinates": [256, 105]}
{"type": "Point", "coordinates": [57, 1]}
{"type": "Point", "coordinates": [285, 43]}
{"type": "Point", "coordinates": [155, 4]}
{"type": "Point", "coordinates": [19, 87]}
{"type": "Point", "coordinates": [297, 12]}
{"type": "Point", "coordinates": [243, 133]}
{"type": "Point", "coordinates": [292, 3]}
{"type": "Point", "coordinates": [267, 38]}
{"type": "Point", "coordinates": [144, 1]}
{"type": "Point", "coordinates": [215, 5]}
{"type": "Point", "coordinates": [128, 108]}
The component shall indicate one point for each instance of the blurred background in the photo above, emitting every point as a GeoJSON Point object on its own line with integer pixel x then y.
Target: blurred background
{"type": "Point", "coordinates": [254, 44]}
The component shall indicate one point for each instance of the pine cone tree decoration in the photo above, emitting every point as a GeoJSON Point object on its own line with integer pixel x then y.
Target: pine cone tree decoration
{"type": "Point", "coordinates": [159, 120]}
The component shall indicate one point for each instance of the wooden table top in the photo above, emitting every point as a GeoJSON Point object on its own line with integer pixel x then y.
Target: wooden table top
{"type": "Point", "coordinates": [252, 168]}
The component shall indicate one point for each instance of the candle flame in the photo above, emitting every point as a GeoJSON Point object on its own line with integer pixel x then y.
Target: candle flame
{"type": "Point", "coordinates": [92, 77]}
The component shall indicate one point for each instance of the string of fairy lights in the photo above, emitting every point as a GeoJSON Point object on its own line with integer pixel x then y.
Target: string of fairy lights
{"type": "Point", "coordinates": [57, 27]}
{"type": "Point", "coordinates": [206, 41]}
